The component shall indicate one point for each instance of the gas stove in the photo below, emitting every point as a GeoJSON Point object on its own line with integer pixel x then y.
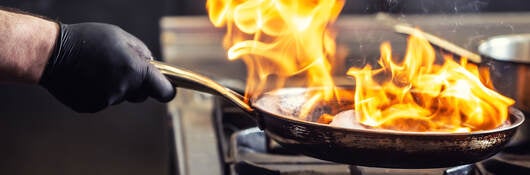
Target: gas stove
{"type": "Point", "coordinates": [251, 156]}
{"type": "Point", "coordinates": [211, 136]}
{"type": "Point", "coordinates": [241, 148]}
{"type": "Point", "coordinates": [249, 151]}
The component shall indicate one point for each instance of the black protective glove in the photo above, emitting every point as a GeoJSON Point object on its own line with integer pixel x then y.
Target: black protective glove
{"type": "Point", "coordinates": [95, 65]}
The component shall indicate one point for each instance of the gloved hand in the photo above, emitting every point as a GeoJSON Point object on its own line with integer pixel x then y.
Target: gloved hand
{"type": "Point", "coordinates": [95, 65]}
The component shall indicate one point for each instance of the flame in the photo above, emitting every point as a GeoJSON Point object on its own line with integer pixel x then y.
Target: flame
{"type": "Point", "coordinates": [283, 39]}
{"type": "Point", "coordinates": [280, 39]}
{"type": "Point", "coordinates": [423, 96]}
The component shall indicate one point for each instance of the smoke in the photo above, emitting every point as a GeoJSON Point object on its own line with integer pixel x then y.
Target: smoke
{"type": "Point", "coordinates": [467, 6]}
{"type": "Point", "coordinates": [433, 6]}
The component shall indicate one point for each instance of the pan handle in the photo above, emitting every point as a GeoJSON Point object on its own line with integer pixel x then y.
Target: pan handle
{"type": "Point", "coordinates": [187, 79]}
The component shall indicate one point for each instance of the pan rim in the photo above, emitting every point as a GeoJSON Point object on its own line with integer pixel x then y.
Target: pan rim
{"type": "Point", "coordinates": [516, 118]}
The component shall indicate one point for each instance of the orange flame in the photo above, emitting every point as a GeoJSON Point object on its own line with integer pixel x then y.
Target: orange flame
{"type": "Point", "coordinates": [282, 39]}
{"type": "Point", "coordinates": [423, 96]}
{"type": "Point", "coordinates": [278, 39]}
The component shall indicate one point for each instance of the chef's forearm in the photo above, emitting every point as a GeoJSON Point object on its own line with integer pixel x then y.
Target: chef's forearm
{"type": "Point", "coordinates": [26, 43]}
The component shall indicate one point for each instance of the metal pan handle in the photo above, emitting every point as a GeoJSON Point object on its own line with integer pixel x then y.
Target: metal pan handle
{"type": "Point", "coordinates": [187, 79]}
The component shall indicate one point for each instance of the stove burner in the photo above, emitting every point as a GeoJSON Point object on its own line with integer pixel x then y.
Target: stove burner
{"type": "Point", "coordinates": [248, 150]}
{"type": "Point", "coordinates": [252, 155]}
{"type": "Point", "coordinates": [516, 163]}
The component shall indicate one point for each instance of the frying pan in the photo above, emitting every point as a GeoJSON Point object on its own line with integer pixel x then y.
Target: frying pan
{"type": "Point", "coordinates": [274, 112]}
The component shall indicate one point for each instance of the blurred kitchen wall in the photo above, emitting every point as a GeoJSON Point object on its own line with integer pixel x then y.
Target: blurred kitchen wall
{"type": "Point", "coordinates": [196, 7]}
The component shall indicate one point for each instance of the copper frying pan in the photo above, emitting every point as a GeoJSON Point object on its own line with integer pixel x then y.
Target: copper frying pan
{"type": "Point", "coordinates": [393, 149]}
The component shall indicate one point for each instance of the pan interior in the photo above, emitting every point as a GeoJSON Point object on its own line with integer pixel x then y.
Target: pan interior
{"type": "Point", "coordinates": [287, 103]}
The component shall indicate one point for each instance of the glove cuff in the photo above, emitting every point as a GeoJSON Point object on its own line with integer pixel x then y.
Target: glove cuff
{"type": "Point", "coordinates": [55, 56]}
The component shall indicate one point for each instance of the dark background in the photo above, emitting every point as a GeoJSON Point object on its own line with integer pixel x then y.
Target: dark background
{"type": "Point", "coordinates": [38, 135]}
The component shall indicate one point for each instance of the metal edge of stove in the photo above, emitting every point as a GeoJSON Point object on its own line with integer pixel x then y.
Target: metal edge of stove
{"type": "Point", "coordinates": [194, 134]}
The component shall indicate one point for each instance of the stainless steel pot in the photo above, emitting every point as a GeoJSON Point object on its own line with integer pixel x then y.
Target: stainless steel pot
{"type": "Point", "coordinates": [508, 57]}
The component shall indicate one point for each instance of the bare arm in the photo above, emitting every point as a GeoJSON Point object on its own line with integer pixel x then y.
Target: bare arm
{"type": "Point", "coordinates": [26, 43]}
